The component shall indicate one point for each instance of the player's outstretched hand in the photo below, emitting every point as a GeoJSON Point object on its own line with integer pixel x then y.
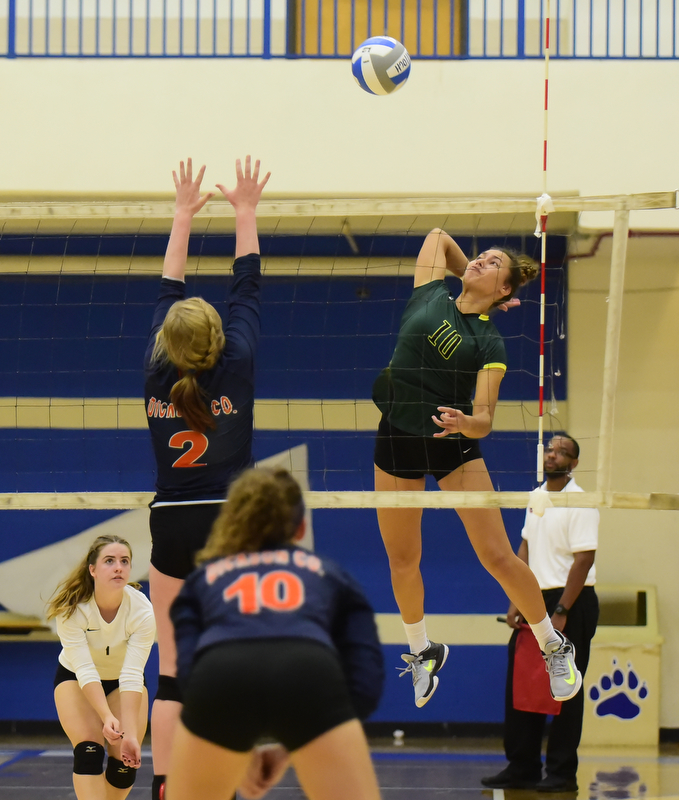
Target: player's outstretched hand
{"type": "Point", "coordinates": [188, 190]}
{"type": "Point", "coordinates": [267, 767]}
{"type": "Point", "coordinates": [131, 753]}
{"type": "Point", "coordinates": [248, 188]}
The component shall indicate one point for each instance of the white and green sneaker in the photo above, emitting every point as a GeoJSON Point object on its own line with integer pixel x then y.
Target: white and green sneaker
{"type": "Point", "coordinates": [424, 667]}
{"type": "Point", "coordinates": [565, 679]}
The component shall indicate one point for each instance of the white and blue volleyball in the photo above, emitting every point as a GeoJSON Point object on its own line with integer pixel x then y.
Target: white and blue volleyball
{"type": "Point", "coordinates": [381, 65]}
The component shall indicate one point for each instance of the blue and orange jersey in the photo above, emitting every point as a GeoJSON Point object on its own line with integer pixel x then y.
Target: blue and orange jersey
{"type": "Point", "coordinates": [281, 594]}
{"type": "Point", "coordinates": [200, 466]}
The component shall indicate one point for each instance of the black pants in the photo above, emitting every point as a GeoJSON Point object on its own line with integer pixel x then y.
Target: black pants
{"type": "Point", "coordinates": [524, 729]}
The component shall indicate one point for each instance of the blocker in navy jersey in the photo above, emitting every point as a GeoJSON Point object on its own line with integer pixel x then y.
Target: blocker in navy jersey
{"type": "Point", "coordinates": [287, 593]}
{"type": "Point", "coordinates": [199, 466]}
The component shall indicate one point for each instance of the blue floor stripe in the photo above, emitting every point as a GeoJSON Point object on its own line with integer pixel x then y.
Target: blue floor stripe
{"type": "Point", "coordinates": [20, 756]}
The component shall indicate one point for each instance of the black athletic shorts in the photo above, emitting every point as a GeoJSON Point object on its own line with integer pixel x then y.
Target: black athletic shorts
{"type": "Point", "coordinates": [63, 674]}
{"type": "Point", "coordinates": [290, 690]}
{"type": "Point", "coordinates": [405, 455]}
{"type": "Point", "coordinates": [177, 533]}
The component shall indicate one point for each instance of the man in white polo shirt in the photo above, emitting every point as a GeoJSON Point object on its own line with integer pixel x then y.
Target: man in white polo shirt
{"type": "Point", "coordinates": [559, 547]}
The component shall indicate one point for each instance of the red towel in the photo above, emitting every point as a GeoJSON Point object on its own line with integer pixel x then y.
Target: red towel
{"type": "Point", "coordinates": [531, 681]}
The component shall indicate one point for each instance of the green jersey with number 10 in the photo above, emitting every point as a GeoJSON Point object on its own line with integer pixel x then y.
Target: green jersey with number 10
{"type": "Point", "coordinates": [438, 355]}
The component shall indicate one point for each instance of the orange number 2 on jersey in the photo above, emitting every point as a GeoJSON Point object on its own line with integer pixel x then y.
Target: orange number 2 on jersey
{"type": "Point", "coordinates": [278, 591]}
{"type": "Point", "coordinates": [198, 445]}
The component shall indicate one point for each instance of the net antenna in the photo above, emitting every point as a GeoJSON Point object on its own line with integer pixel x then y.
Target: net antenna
{"type": "Point", "coordinates": [544, 206]}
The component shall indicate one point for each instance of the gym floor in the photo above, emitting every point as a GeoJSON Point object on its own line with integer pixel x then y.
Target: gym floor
{"type": "Point", "coordinates": [33, 768]}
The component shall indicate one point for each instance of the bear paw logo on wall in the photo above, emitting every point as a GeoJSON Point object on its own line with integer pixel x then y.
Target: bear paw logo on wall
{"type": "Point", "coordinates": [618, 694]}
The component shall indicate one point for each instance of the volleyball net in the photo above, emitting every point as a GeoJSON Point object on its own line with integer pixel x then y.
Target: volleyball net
{"type": "Point", "coordinates": [79, 285]}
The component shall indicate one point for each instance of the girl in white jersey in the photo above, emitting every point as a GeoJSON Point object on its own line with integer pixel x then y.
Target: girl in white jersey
{"type": "Point", "coordinates": [106, 627]}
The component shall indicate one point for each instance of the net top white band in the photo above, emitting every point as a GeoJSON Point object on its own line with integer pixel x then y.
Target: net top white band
{"type": "Point", "coordinates": [128, 500]}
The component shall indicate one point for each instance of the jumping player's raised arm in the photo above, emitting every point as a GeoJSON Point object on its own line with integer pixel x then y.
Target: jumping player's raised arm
{"type": "Point", "coordinates": [438, 255]}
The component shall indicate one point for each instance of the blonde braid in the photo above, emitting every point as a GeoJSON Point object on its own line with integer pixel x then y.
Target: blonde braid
{"type": "Point", "coordinates": [191, 339]}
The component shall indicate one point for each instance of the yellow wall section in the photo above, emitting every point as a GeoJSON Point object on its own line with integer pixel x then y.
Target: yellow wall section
{"type": "Point", "coordinates": [103, 128]}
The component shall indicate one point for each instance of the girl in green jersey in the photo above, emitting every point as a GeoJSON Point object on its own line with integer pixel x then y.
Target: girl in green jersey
{"type": "Point", "coordinates": [438, 398]}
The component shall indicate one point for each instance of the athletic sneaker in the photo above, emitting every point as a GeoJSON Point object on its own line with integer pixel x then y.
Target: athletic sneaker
{"type": "Point", "coordinates": [424, 667]}
{"type": "Point", "coordinates": [565, 679]}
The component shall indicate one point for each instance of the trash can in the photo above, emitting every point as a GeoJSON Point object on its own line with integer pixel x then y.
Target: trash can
{"type": "Point", "coordinates": [622, 684]}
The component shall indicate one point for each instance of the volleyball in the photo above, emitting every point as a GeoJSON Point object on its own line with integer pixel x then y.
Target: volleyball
{"type": "Point", "coordinates": [381, 65]}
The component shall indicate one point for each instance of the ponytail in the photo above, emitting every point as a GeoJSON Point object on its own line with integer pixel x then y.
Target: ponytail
{"type": "Point", "coordinates": [191, 339]}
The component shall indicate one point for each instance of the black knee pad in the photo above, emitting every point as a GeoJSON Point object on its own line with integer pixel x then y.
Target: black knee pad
{"type": "Point", "coordinates": [168, 689]}
{"type": "Point", "coordinates": [88, 758]}
{"type": "Point", "coordinates": [118, 775]}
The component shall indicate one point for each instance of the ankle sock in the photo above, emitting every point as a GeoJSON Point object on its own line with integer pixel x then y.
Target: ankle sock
{"type": "Point", "coordinates": [416, 633]}
{"type": "Point", "coordinates": [544, 632]}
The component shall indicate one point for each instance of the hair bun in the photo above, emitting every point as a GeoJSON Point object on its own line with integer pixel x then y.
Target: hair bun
{"type": "Point", "coordinates": [529, 269]}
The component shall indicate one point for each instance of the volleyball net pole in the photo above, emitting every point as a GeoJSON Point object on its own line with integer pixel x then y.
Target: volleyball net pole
{"type": "Point", "coordinates": [612, 351]}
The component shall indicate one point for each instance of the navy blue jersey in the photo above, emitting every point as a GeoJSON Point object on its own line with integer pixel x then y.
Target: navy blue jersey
{"type": "Point", "coordinates": [200, 466]}
{"type": "Point", "coordinates": [284, 593]}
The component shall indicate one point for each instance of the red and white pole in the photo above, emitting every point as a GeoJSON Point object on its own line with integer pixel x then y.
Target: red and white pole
{"type": "Point", "coordinates": [544, 207]}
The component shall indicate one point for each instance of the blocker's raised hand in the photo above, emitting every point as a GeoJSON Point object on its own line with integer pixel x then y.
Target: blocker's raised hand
{"type": "Point", "coordinates": [188, 189]}
{"type": "Point", "coordinates": [248, 189]}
